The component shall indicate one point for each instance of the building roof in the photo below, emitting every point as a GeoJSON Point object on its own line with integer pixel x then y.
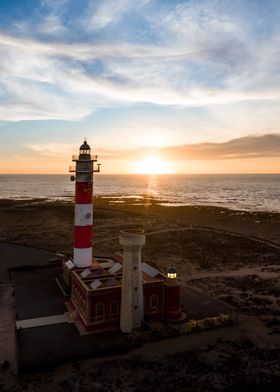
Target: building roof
{"type": "Point", "coordinates": [171, 270]}
{"type": "Point", "coordinates": [107, 273]}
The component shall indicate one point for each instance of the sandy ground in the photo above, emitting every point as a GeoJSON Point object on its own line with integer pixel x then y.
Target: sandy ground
{"type": "Point", "coordinates": [232, 255]}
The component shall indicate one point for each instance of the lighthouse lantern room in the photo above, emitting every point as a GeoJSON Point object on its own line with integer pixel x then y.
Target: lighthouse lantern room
{"type": "Point", "coordinates": [83, 233]}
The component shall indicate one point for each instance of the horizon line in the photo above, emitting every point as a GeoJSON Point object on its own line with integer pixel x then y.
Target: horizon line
{"type": "Point", "coordinates": [137, 174]}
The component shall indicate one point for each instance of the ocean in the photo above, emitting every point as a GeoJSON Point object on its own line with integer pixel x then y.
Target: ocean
{"type": "Point", "coordinates": [242, 192]}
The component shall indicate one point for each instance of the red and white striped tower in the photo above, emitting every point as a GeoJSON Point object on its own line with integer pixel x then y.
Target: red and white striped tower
{"type": "Point", "coordinates": [83, 233]}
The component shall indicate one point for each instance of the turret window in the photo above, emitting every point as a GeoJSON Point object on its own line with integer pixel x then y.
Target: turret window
{"type": "Point", "coordinates": [99, 312]}
{"type": "Point", "coordinates": [154, 303]}
{"type": "Point", "coordinates": [114, 309]}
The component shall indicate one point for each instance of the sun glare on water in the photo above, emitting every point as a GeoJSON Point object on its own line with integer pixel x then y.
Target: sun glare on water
{"type": "Point", "coordinates": [152, 165]}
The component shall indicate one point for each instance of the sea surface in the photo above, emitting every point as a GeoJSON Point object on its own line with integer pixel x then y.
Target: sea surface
{"type": "Point", "coordinates": [242, 192]}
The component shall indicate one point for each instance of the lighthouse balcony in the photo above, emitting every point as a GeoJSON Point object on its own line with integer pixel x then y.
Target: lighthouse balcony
{"type": "Point", "coordinates": [86, 157]}
{"type": "Point", "coordinates": [74, 169]}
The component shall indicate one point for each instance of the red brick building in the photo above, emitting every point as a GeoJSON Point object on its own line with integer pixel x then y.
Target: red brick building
{"type": "Point", "coordinates": [96, 295]}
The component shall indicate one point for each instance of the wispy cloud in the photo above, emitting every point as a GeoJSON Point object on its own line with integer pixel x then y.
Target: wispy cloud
{"type": "Point", "coordinates": [198, 54]}
{"type": "Point", "coordinates": [50, 150]}
{"type": "Point", "coordinates": [52, 25]}
{"type": "Point", "coordinates": [45, 21]}
{"type": "Point", "coordinates": [248, 147]}
{"type": "Point", "coordinates": [98, 17]}
{"type": "Point", "coordinates": [131, 73]}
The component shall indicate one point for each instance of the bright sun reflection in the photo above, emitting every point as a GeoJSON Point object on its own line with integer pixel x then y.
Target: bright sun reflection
{"type": "Point", "coordinates": [152, 165]}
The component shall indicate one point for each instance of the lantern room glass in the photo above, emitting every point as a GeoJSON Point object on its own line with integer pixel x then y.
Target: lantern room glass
{"type": "Point", "coordinates": [85, 152]}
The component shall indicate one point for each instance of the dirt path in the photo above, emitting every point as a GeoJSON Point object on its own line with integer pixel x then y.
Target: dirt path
{"type": "Point", "coordinates": [267, 272]}
{"type": "Point", "coordinates": [199, 228]}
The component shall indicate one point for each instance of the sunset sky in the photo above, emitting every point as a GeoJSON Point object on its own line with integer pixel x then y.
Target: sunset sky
{"type": "Point", "coordinates": [181, 86]}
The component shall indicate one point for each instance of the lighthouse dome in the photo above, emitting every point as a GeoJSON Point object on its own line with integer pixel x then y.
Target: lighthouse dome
{"type": "Point", "coordinates": [85, 146]}
{"type": "Point", "coordinates": [171, 272]}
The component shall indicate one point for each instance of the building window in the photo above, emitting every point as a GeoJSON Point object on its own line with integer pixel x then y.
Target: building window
{"type": "Point", "coordinates": [114, 309]}
{"type": "Point", "coordinates": [99, 312]}
{"type": "Point", "coordinates": [75, 294]}
{"type": "Point", "coordinates": [83, 306]}
{"type": "Point", "coordinates": [153, 302]}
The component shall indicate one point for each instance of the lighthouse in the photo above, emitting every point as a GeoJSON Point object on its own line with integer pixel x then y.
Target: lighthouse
{"type": "Point", "coordinates": [83, 232]}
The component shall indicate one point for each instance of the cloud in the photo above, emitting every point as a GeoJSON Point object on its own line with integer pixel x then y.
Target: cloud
{"type": "Point", "coordinates": [248, 147]}
{"type": "Point", "coordinates": [131, 73]}
{"type": "Point", "coordinates": [45, 20]}
{"type": "Point", "coordinates": [196, 56]}
{"type": "Point", "coordinates": [54, 5]}
{"type": "Point", "coordinates": [51, 25]}
{"type": "Point", "coordinates": [109, 12]}
{"type": "Point", "coordinates": [47, 151]}
{"type": "Point", "coordinates": [28, 101]}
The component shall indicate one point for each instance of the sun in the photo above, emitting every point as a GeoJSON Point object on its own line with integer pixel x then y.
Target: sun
{"type": "Point", "coordinates": [152, 165]}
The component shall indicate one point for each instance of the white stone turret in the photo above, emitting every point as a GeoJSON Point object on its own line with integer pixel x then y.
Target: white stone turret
{"type": "Point", "coordinates": [132, 306]}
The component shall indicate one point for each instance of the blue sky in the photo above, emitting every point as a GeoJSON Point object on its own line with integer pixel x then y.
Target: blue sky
{"type": "Point", "coordinates": [140, 78]}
